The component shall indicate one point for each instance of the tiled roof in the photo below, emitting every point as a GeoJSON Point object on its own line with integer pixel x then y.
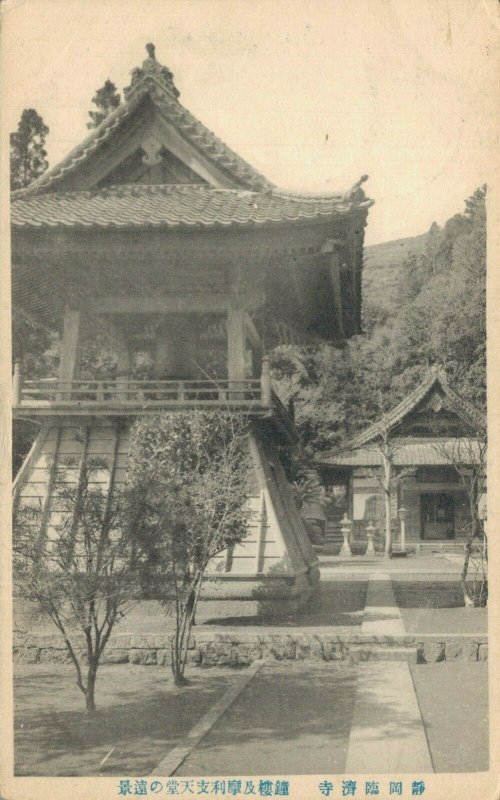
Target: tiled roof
{"type": "Point", "coordinates": [154, 81]}
{"type": "Point", "coordinates": [173, 206]}
{"type": "Point", "coordinates": [408, 454]}
{"type": "Point", "coordinates": [435, 379]}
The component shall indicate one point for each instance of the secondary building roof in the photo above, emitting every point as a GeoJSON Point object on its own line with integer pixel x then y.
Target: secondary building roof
{"type": "Point", "coordinates": [410, 453]}
{"type": "Point", "coordinates": [432, 393]}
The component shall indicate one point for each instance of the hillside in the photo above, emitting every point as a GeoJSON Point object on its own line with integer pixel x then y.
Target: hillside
{"type": "Point", "coordinates": [382, 265]}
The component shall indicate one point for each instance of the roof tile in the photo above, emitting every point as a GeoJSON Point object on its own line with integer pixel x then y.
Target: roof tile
{"type": "Point", "coordinates": [409, 454]}
{"type": "Point", "coordinates": [172, 206]}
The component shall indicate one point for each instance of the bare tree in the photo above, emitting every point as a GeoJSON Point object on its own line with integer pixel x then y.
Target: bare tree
{"type": "Point", "coordinates": [388, 475]}
{"type": "Point", "coordinates": [468, 457]}
{"type": "Point", "coordinates": [84, 578]}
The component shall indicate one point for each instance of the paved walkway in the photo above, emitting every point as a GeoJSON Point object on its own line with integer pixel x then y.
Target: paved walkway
{"type": "Point", "coordinates": [366, 721]}
{"type": "Point", "coordinates": [381, 615]}
{"type": "Point", "coordinates": [327, 718]}
{"type": "Point", "coordinates": [290, 719]}
{"type": "Point", "coordinates": [387, 733]}
{"type": "Point", "coordinates": [446, 566]}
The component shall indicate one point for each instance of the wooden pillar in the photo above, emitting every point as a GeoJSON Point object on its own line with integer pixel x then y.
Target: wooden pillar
{"type": "Point", "coordinates": [165, 356]}
{"type": "Point", "coordinates": [255, 348]}
{"type": "Point", "coordinates": [354, 243]}
{"type": "Point", "coordinates": [68, 365]}
{"type": "Point", "coordinates": [265, 383]}
{"type": "Point", "coordinates": [236, 344]}
{"type": "Point", "coordinates": [331, 251]}
{"type": "Point", "coordinates": [17, 383]}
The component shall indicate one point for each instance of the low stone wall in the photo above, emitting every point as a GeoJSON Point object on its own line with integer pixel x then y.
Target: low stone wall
{"type": "Point", "coordinates": [208, 648]}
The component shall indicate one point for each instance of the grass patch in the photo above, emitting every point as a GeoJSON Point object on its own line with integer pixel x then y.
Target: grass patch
{"type": "Point", "coordinates": [428, 594]}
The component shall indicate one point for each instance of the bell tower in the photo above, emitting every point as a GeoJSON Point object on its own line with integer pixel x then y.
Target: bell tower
{"type": "Point", "coordinates": [154, 230]}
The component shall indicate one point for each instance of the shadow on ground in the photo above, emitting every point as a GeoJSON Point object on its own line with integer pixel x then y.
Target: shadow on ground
{"type": "Point", "coordinates": [140, 714]}
{"type": "Point", "coordinates": [337, 604]}
{"type": "Point", "coordinates": [289, 720]}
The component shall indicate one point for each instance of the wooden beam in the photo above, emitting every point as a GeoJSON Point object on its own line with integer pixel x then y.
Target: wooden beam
{"type": "Point", "coordinates": [104, 160]}
{"type": "Point", "coordinates": [160, 304]}
{"type": "Point", "coordinates": [44, 520]}
{"type": "Point", "coordinates": [29, 462]}
{"type": "Point", "coordinates": [70, 345]}
{"type": "Point", "coordinates": [193, 303]}
{"type": "Point", "coordinates": [193, 158]}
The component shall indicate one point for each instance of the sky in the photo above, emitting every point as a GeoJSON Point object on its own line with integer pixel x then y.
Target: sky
{"type": "Point", "coordinates": [313, 93]}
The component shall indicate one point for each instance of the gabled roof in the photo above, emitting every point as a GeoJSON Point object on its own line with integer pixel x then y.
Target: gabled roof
{"type": "Point", "coordinates": [155, 82]}
{"type": "Point", "coordinates": [436, 381]}
{"type": "Point", "coordinates": [229, 192]}
{"type": "Point", "coordinates": [189, 205]}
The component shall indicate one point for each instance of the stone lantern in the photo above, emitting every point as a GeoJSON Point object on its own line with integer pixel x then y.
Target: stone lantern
{"type": "Point", "coordinates": [346, 527]}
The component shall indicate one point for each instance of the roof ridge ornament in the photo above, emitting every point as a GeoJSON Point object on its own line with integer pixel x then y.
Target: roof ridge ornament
{"type": "Point", "coordinates": [152, 72]}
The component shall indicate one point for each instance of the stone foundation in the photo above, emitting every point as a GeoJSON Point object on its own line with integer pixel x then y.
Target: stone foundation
{"type": "Point", "coordinates": [208, 648]}
{"type": "Point", "coordinates": [264, 596]}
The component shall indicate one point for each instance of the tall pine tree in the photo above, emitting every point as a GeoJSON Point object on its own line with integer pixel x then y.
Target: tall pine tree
{"type": "Point", "coordinates": [28, 157]}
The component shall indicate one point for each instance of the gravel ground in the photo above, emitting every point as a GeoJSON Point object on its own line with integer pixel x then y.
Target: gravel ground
{"type": "Point", "coordinates": [290, 719]}
{"type": "Point", "coordinates": [140, 714]}
{"type": "Point", "coordinates": [445, 620]}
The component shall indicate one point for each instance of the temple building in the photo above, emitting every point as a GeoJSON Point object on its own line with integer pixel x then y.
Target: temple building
{"type": "Point", "coordinates": [187, 265]}
{"type": "Point", "coordinates": [435, 443]}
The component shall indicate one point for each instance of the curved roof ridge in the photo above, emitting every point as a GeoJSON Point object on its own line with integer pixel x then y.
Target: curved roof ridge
{"type": "Point", "coordinates": [306, 195]}
{"type": "Point", "coordinates": [152, 188]}
{"type": "Point", "coordinates": [354, 191]}
{"type": "Point", "coordinates": [144, 83]}
{"type": "Point", "coordinates": [146, 205]}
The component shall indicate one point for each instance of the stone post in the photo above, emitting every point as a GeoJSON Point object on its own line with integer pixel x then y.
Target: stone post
{"type": "Point", "coordinates": [346, 526]}
{"type": "Point", "coordinates": [370, 535]}
{"type": "Point", "coordinates": [402, 521]}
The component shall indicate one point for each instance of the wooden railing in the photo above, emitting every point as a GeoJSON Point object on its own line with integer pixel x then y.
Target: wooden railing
{"type": "Point", "coordinates": [123, 395]}
{"type": "Point", "coordinates": [150, 393]}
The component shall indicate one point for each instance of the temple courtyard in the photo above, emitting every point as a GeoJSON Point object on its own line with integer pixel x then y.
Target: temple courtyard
{"type": "Point", "coordinates": [384, 671]}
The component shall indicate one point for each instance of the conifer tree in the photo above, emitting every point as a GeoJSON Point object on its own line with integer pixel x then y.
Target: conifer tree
{"type": "Point", "coordinates": [28, 157]}
{"type": "Point", "coordinates": [106, 99]}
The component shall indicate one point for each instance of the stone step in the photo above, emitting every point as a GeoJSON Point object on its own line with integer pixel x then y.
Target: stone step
{"type": "Point", "coordinates": [367, 652]}
{"type": "Point", "coordinates": [438, 547]}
